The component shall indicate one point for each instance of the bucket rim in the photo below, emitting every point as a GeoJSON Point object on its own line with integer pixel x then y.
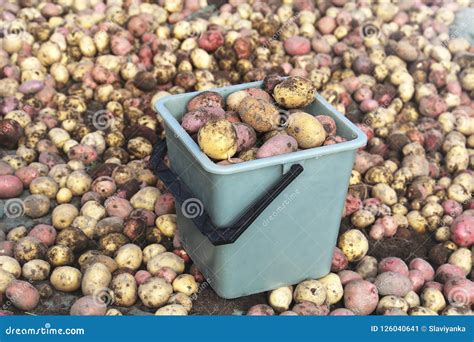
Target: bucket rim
{"type": "Point", "coordinates": [210, 166]}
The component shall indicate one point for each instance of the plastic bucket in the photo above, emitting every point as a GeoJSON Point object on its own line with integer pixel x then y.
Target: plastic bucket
{"type": "Point", "coordinates": [261, 224]}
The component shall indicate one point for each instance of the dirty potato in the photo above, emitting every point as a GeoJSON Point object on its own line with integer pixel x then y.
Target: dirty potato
{"type": "Point", "coordinates": [218, 139]}
{"type": "Point", "coordinates": [294, 92]}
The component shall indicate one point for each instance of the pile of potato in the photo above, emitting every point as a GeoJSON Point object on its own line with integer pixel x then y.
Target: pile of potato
{"type": "Point", "coordinates": [257, 125]}
{"type": "Point", "coordinates": [82, 212]}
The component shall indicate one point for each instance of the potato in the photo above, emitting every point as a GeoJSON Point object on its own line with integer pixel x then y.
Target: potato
{"type": "Point", "coordinates": [246, 136]}
{"type": "Point", "coordinates": [276, 145]}
{"type": "Point", "coordinates": [29, 248]}
{"type": "Point", "coordinates": [182, 299]}
{"type": "Point", "coordinates": [393, 264]}
{"type": "Point", "coordinates": [60, 256]}
{"type": "Point", "coordinates": [353, 244]}
{"type": "Point", "coordinates": [145, 198]}
{"type": "Point", "coordinates": [165, 259]}
{"type": "Point", "coordinates": [172, 310]}
{"type": "Point", "coordinates": [306, 129]}
{"type": "Point", "coordinates": [218, 139]}
{"type": "Point", "coordinates": [98, 258]}
{"type": "Point", "coordinates": [333, 286]}
{"type": "Point", "coordinates": [96, 278]}
{"type": "Point", "coordinates": [10, 265]}
{"type": "Point", "coordinates": [124, 288]}
{"type": "Point", "coordinates": [385, 194]}
{"type": "Point", "coordinates": [5, 279]}
{"type": "Point", "coordinates": [424, 267]}
{"type": "Point", "coordinates": [167, 224]}
{"type": "Point", "coordinates": [17, 233]}
{"type": "Point", "coordinates": [280, 299]}
{"type": "Point", "coordinates": [108, 225]}
{"type": "Point", "coordinates": [194, 120]}
{"type": "Point", "coordinates": [88, 306]}
{"type": "Point", "coordinates": [310, 291]}
{"type": "Point", "coordinates": [339, 261]}
{"type": "Point", "coordinates": [391, 302]}
{"type": "Point", "coordinates": [206, 99]}
{"type": "Point", "coordinates": [36, 270]}
{"type": "Point", "coordinates": [119, 207]}
{"type": "Point", "coordinates": [456, 311]}
{"type": "Point", "coordinates": [362, 218]}
{"type": "Point", "coordinates": [448, 271]}
{"type": "Point", "coordinates": [294, 92]}
{"type": "Point", "coordinates": [110, 243]}
{"type": "Point", "coordinates": [260, 310]}
{"type": "Point", "coordinates": [22, 295]}
{"type": "Point", "coordinates": [73, 238]}
{"type": "Point", "coordinates": [129, 256]}
{"type": "Point", "coordinates": [151, 251]}
{"type": "Point", "coordinates": [462, 231]}
{"type": "Point", "coordinates": [154, 292]}
{"type": "Point", "coordinates": [260, 114]}
{"type": "Point", "coordinates": [185, 283]}
{"type": "Point", "coordinates": [66, 278]}
{"type": "Point", "coordinates": [417, 279]}
{"type": "Point", "coordinates": [361, 297]}
{"type": "Point", "coordinates": [462, 258]}
{"type": "Point", "coordinates": [347, 276]}
{"type": "Point", "coordinates": [341, 312]}
{"type": "Point", "coordinates": [412, 299]}
{"type": "Point", "coordinates": [45, 233]}
{"type": "Point", "coordinates": [433, 299]}
{"type": "Point", "coordinates": [63, 215]}
{"type": "Point", "coordinates": [392, 283]}
{"type": "Point", "coordinates": [234, 99]}
{"type": "Point", "coordinates": [367, 267]}
{"type": "Point", "coordinates": [44, 186]}
{"type": "Point", "coordinates": [421, 311]}
{"type": "Point", "coordinates": [10, 186]}
{"type": "Point", "coordinates": [79, 182]}
{"type": "Point", "coordinates": [86, 224]}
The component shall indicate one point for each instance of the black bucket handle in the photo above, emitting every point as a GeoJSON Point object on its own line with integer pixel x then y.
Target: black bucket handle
{"type": "Point", "coordinates": [218, 236]}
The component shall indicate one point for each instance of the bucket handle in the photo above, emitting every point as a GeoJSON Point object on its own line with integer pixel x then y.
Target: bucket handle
{"type": "Point", "coordinates": [218, 236]}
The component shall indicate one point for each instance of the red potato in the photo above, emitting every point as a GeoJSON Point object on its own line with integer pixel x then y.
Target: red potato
{"type": "Point", "coordinates": [432, 106]}
{"type": "Point", "coordinates": [26, 174]}
{"type": "Point", "coordinates": [10, 186]}
{"type": "Point", "coordinates": [258, 93]}
{"type": "Point", "coordinates": [104, 185]}
{"type": "Point", "coordinates": [341, 312]}
{"type": "Point", "coordinates": [339, 261]}
{"type": "Point", "coordinates": [88, 306]}
{"type": "Point", "coordinates": [6, 248]}
{"type": "Point", "coordinates": [246, 136]}
{"type": "Point", "coordinates": [198, 276]}
{"type": "Point", "coordinates": [393, 283]}
{"type": "Point", "coordinates": [365, 161]}
{"type": "Point", "coordinates": [297, 45]}
{"type": "Point", "coordinates": [326, 25]}
{"type": "Point", "coordinates": [141, 276]}
{"type": "Point", "coordinates": [433, 285]}
{"type": "Point", "coordinates": [347, 276]}
{"type": "Point", "coordinates": [452, 208]}
{"type": "Point", "coordinates": [6, 169]}
{"type": "Point", "coordinates": [206, 99]}
{"type": "Point", "coordinates": [376, 232]}
{"type": "Point", "coordinates": [145, 215]}
{"type": "Point", "coordinates": [311, 309]}
{"type": "Point", "coordinates": [424, 267]}
{"type": "Point", "coordinates": [45, 233]}
{"type": "Point", "coordinates": [165, 204]}
{"type": "Point", "coordinates": [361, 297]}
{"type": "Point", "coordinates": [448, 271]}
{"type": "Point", "coordinates": [351, 205]}
{"type": "Point", "coordinates": [462, 230]}
{"type": "Point", "coordinates": [288, 313]}
{"type": "Point", "coordinates": [50, 159]}
{"type": "Point", "coordinates": [194, 120]}
{"type": "Point", "coordinates": [459, 291]}
{"type": "Point", "coordinates": [23, 295]}
{"type": "Point", "coordinates": [417, 279]}
{"type": "Point", "coordinates": [276, 145]}
{"type": "Point", "coordinates": [84, 153]}
{"type": "Point", "coordinates": [328, 123]}
{"type": "Point", "coordinates": [393, 264]}
{"type": "Point", "coordinates": [211, 40]}
{"type": "Point", "coordinates": [116, 206]}
{"type": "Point", "coordinates": [261, 310]}
{"type": "Point", "coordinates": [167, 274]}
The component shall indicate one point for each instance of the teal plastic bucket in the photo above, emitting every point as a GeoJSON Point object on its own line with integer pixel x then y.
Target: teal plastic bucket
{"type": "Point", "coordinates": [291, 234]}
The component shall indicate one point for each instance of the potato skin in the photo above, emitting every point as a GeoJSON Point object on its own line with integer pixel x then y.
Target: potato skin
{"type": "Point", "coordinates": [165, 259]}
{"type": "Point", "coordinates": [294, 92]}
{"type": "Point", "coordinates": [353, 244]}
{"type": "Point", "coordinates": [154, 292]}
{"type": "Point", "coordinates": [66, 278]}
{"type": "Point", "coordinates": [36, 270]}
{"type": "Point", "coordinates": [172, 310]}
{"type": "Point", "coordinates": [88, 306]}
{"type": "Point", "coordinates": [10, 265]}
{"type": "Point", "coordinates": [260, 114]}
{"type": "Point", "coordinates": [23, 295]}
{"type": "Point", "coordinates": [392, 283]}
{"type": "Point", "coordinates": [124, 288]}
{"type": "Point", "coordinates": [276, 145]}
{"type": "Point", "coordinates": [310, 291]}
{"type": "Point", "coordinates": [206, 99]}
{"type": "Point", "coordinates": [218, 139]}
{"type": "Point", "coordinates": [361, 297]}
{"type": "Point", "coordinates": [29, 248]}
{"type": "Point", "coordinates": [96, 278]}
{"type": "Point", "coordinates": [306, 129]}
{"type": "Point", "coordinates": [194, 120]}
{"type": "Point", "coordinates": [246, 136]}
{"type": "Point", "coordinates": [129, 256]}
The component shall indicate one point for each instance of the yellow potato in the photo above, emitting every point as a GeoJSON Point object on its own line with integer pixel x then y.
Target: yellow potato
{"type": "Point", "coordinates": [294, 92]}
{"type": "Point", "coordinates": [36, 270]}
{"type": "Point", "coordinates": [10, 265]}
{"type": "Point", "coordinates": [145, 198]}
{"type": "Point", "coordinates": [310, 291]}
{"type": "Point", "coordinates": [218, 139]}
{"type": "Point", "coordinates": [63, 215]}
{"type": "Point", "coordinates": [129, 256]}
{"type": "Point", "coordinates": [96, 279]}
{"type": "Point", "coordinates": [333, 285]}
{"type": "Point", "coordinates": [280, 299]}
{"type": "Point", "coordinates": [154, 292]}
{"type": "Point", "coordinates": [124, 288]}
{"type": "Point", "coordinates": [5, 279]}
{"type": "Point", "coordinates": [172, 310]}
{"type": "Point", "coordinates": [353, 244]}
{"type": "Point", "coordinates": [151, 251]}
{"type": "Point", "coordinates": [185, 283]}
{"type": "Point", "coordinates": [167, 224]}
{"type": "Point", "coordinates": [306, 129]}
{"type": "Point", "coordinates": [66, 279]}
{"type": "Point", "coordinates": [259, 113]}
{"type": "Point", "coordinates": [167, 259]}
